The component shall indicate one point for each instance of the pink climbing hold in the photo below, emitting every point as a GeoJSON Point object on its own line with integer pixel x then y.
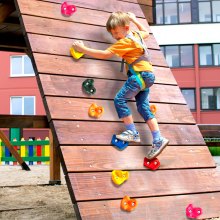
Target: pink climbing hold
{"type": "Point", "coordinates": [193, 212]}
{"type": "Point", "coordinates": [67, 9]}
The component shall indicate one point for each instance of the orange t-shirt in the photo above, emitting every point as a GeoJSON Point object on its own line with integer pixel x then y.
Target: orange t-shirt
{"type": "Point", "coordinates": [130, 51]}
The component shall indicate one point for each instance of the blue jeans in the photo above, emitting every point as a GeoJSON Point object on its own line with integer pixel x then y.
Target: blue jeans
{"type": "Point", "coordinates": [131, 89]}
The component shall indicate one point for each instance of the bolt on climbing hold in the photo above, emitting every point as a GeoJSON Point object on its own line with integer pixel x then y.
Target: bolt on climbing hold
{"type": "Point", "coordinates": [128, 204]}
{"type": "Point", "coordinates": [121, 145]}
{"type": "Point", "coordinates": [153, 109]}
{"type": "Point", "coordinates": [153, 164]}
{"type": "Point", "coordinates": [67, 9]}
{"type": "Point", "coordinates": [96, 111]}
{"type": "Point", "coordinates": [193, 212]}
{"type": "Point", "coordinates": [119, 176]}
{"type": "Point", "coordinates": [75, 54]}
{"type": "Point", "coordinates": [88, 86]}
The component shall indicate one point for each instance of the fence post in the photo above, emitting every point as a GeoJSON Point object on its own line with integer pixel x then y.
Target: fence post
{"type": "Point", "coordinates": [54, 162]}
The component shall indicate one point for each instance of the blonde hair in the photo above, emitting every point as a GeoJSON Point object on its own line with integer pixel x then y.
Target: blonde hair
{"type": "Point", "coordinates": [116, 19]}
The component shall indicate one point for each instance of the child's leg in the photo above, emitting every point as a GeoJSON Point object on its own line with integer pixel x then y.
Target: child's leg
{"type": "Point", "coordinates": [159, 143]}
{"type": "Point", "coordinates": [127, 92]}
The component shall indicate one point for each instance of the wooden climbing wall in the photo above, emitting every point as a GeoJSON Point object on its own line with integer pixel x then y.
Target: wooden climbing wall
{"type": "Point", "coordinates": [187, 173]}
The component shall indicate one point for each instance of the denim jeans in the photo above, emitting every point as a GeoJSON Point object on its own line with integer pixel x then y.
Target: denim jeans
{"type": "Point", "coordinates": [131, 89]}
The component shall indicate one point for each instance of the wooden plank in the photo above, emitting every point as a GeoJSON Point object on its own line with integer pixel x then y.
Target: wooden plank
{"type": "Point", "coordinates": [23, 121]}
{"type": "Point", "coordinates": [90, 68]}
{"type": "Point", "coordinates": [61, 46]}
{"type": "Point", "coordinates": [72, 87]}
{"type": "Point", "coordinates": [103, 158]}
{"type": "Point", "coordinates": [77, 109]}
{"type": "Point", "coordinates": [143, 2]}
{"type": "Point", "coordinates": [160, 208]}
{"type": "Point", "coordinates": [142, 11]}
{"type": "Point", "coordinates": [100, 133]}
{"type": "Point", "coordinates": [159, 183]}
{"type": "Point", "coordinates": [45, 26]}
{"type": "Point", "coordinates": [54, 162]}
{"type": "Point", "coordinates": [82, 15]}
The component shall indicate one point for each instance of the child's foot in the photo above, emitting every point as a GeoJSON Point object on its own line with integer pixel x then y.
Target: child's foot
{"type": "Point", "coordinates": [157, 148]}
{"type": "Point", "coordinates": [129, 136]}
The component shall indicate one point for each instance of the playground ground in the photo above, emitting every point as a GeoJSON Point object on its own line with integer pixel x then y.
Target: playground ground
{"type": "Point", "coordinates": [27, 195]}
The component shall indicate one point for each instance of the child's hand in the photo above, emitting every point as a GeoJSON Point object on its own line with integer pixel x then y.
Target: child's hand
{"type": "Point", "coordinates": [78, 45]}
{"type": "Point", "coordinates": [132, 16]}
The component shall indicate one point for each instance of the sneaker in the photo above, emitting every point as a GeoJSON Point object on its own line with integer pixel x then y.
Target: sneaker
{"type": "Point", "coordinates": [129, 136]}
{"type": "Point", "coordinates": [157, 148]}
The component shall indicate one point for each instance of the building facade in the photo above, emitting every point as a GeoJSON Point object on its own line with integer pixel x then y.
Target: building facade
{"type": "Point", "coordinates": [188, 32]}
{"type": "Point", "coordinates": [19, 93]}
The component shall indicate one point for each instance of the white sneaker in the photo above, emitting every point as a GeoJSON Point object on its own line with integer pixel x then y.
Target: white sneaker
{"type": "Point", "coordinates": [129, 136]}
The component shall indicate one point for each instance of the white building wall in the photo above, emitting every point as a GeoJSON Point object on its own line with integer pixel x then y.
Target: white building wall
{"type": "Point", "coordinates": [187, 34]}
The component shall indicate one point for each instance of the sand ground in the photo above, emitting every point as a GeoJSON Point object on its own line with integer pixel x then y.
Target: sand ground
{"type": "Point", "coordinates": [27, 195]}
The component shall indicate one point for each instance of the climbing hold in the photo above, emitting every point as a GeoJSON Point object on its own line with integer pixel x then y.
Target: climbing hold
{"type": "Point", "coordinates": [153, 109]}
{"type": "Point", "coordinates": [193, 212]}
{"type": "Point", "coordinates": [119, 176]}
{"type": "Point", "coordinates": [88, 86]}
{"type": "Point", "coordinates": [95, 111]}
{"type": "Point", "coordinates": [128, 204]}
{"type": "Point", "coordinates": [152, 164]}
{"type": "Point", "coordinates": [121, 145]}
{"type": "Point", "coordinates": [75, 54]}
{"type": "Point", "coordinates": [67, 9]}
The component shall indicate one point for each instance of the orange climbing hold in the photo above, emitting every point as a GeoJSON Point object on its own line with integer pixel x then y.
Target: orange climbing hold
{"type": "Point", "coordinates": [75, 54]}
{"type": "Point", "coordinates": [153, 109]}
{"type": "Point", "coordinates": [95, 111]}
{"type": "Point", "coordinates": [128, 204]}
{"type": "Point", "coordinates": [119, 176]}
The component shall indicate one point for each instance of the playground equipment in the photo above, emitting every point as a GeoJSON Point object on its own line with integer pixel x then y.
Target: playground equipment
{"type": "Point", "coordinates": [128, 204]}
{"type": "Point", "coordinates": [95, 111]}
{"type": "Point", "coordinates": [119, 144]}
{"type": "Point", "coordinates": [75, 54]}
{"type": "Point", "coordinates": [119, 176]}
{"type": "Point", "coordinates": [153, 164]}
{"type": "Point", "coordinates": [83, 144]}
{"type": "Point", "coordinates": [153, 108]}
{"type": "Point", "coordinates": [67, 9]}
{"type": "Point", "coordinates": [193, 212]}
{"type": "Point", "coordinates": [88, 86]}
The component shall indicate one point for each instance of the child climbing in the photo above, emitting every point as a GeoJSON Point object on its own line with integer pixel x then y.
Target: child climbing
{"type": "Point", "coordinates": [131, 47]}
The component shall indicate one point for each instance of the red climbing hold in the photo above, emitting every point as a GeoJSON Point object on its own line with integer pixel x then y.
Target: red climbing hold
{"type": "Point", "coordinates": [67, 9]}
{"type": "Point", "coordinates": [193, 212]}
{"type": "Point", "coordinates": [152, 164]}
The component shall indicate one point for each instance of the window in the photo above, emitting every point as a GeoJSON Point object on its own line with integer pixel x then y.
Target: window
{"type": "Point", "coordinates": [189, 95]}
{"type": "Point", "coordinates": [187, 11]}
{"type": "Point", "coordinates": [178, 56]}
{"type": "Point", "coordinates": [209, 10]}
{"type": "Point", "coordinates": [173, 11]}
{"type": "Point", "coordinates": [21, 66]}
{"type": "Point", "coordinates": [209, 55]}
{"type": "Point", "coordinates": [22, 105]}
{"type": "Point", "coordinates": [210, 98]}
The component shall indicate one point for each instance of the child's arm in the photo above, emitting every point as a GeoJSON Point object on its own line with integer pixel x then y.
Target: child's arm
{"type": "Point", "coordinates": [141, 27]}
{"type": "Point", "coordinates": [101, 54]}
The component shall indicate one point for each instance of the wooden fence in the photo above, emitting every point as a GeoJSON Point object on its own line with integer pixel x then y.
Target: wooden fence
{"type": "Point", "coordinates": [31, 151]}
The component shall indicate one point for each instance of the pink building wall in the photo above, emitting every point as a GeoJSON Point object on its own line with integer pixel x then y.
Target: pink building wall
{"type": "Point", "coordinates": [16, 86]}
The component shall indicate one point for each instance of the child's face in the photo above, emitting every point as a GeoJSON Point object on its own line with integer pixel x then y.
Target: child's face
{"type": "Point", "coordinates": [120, 32]}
